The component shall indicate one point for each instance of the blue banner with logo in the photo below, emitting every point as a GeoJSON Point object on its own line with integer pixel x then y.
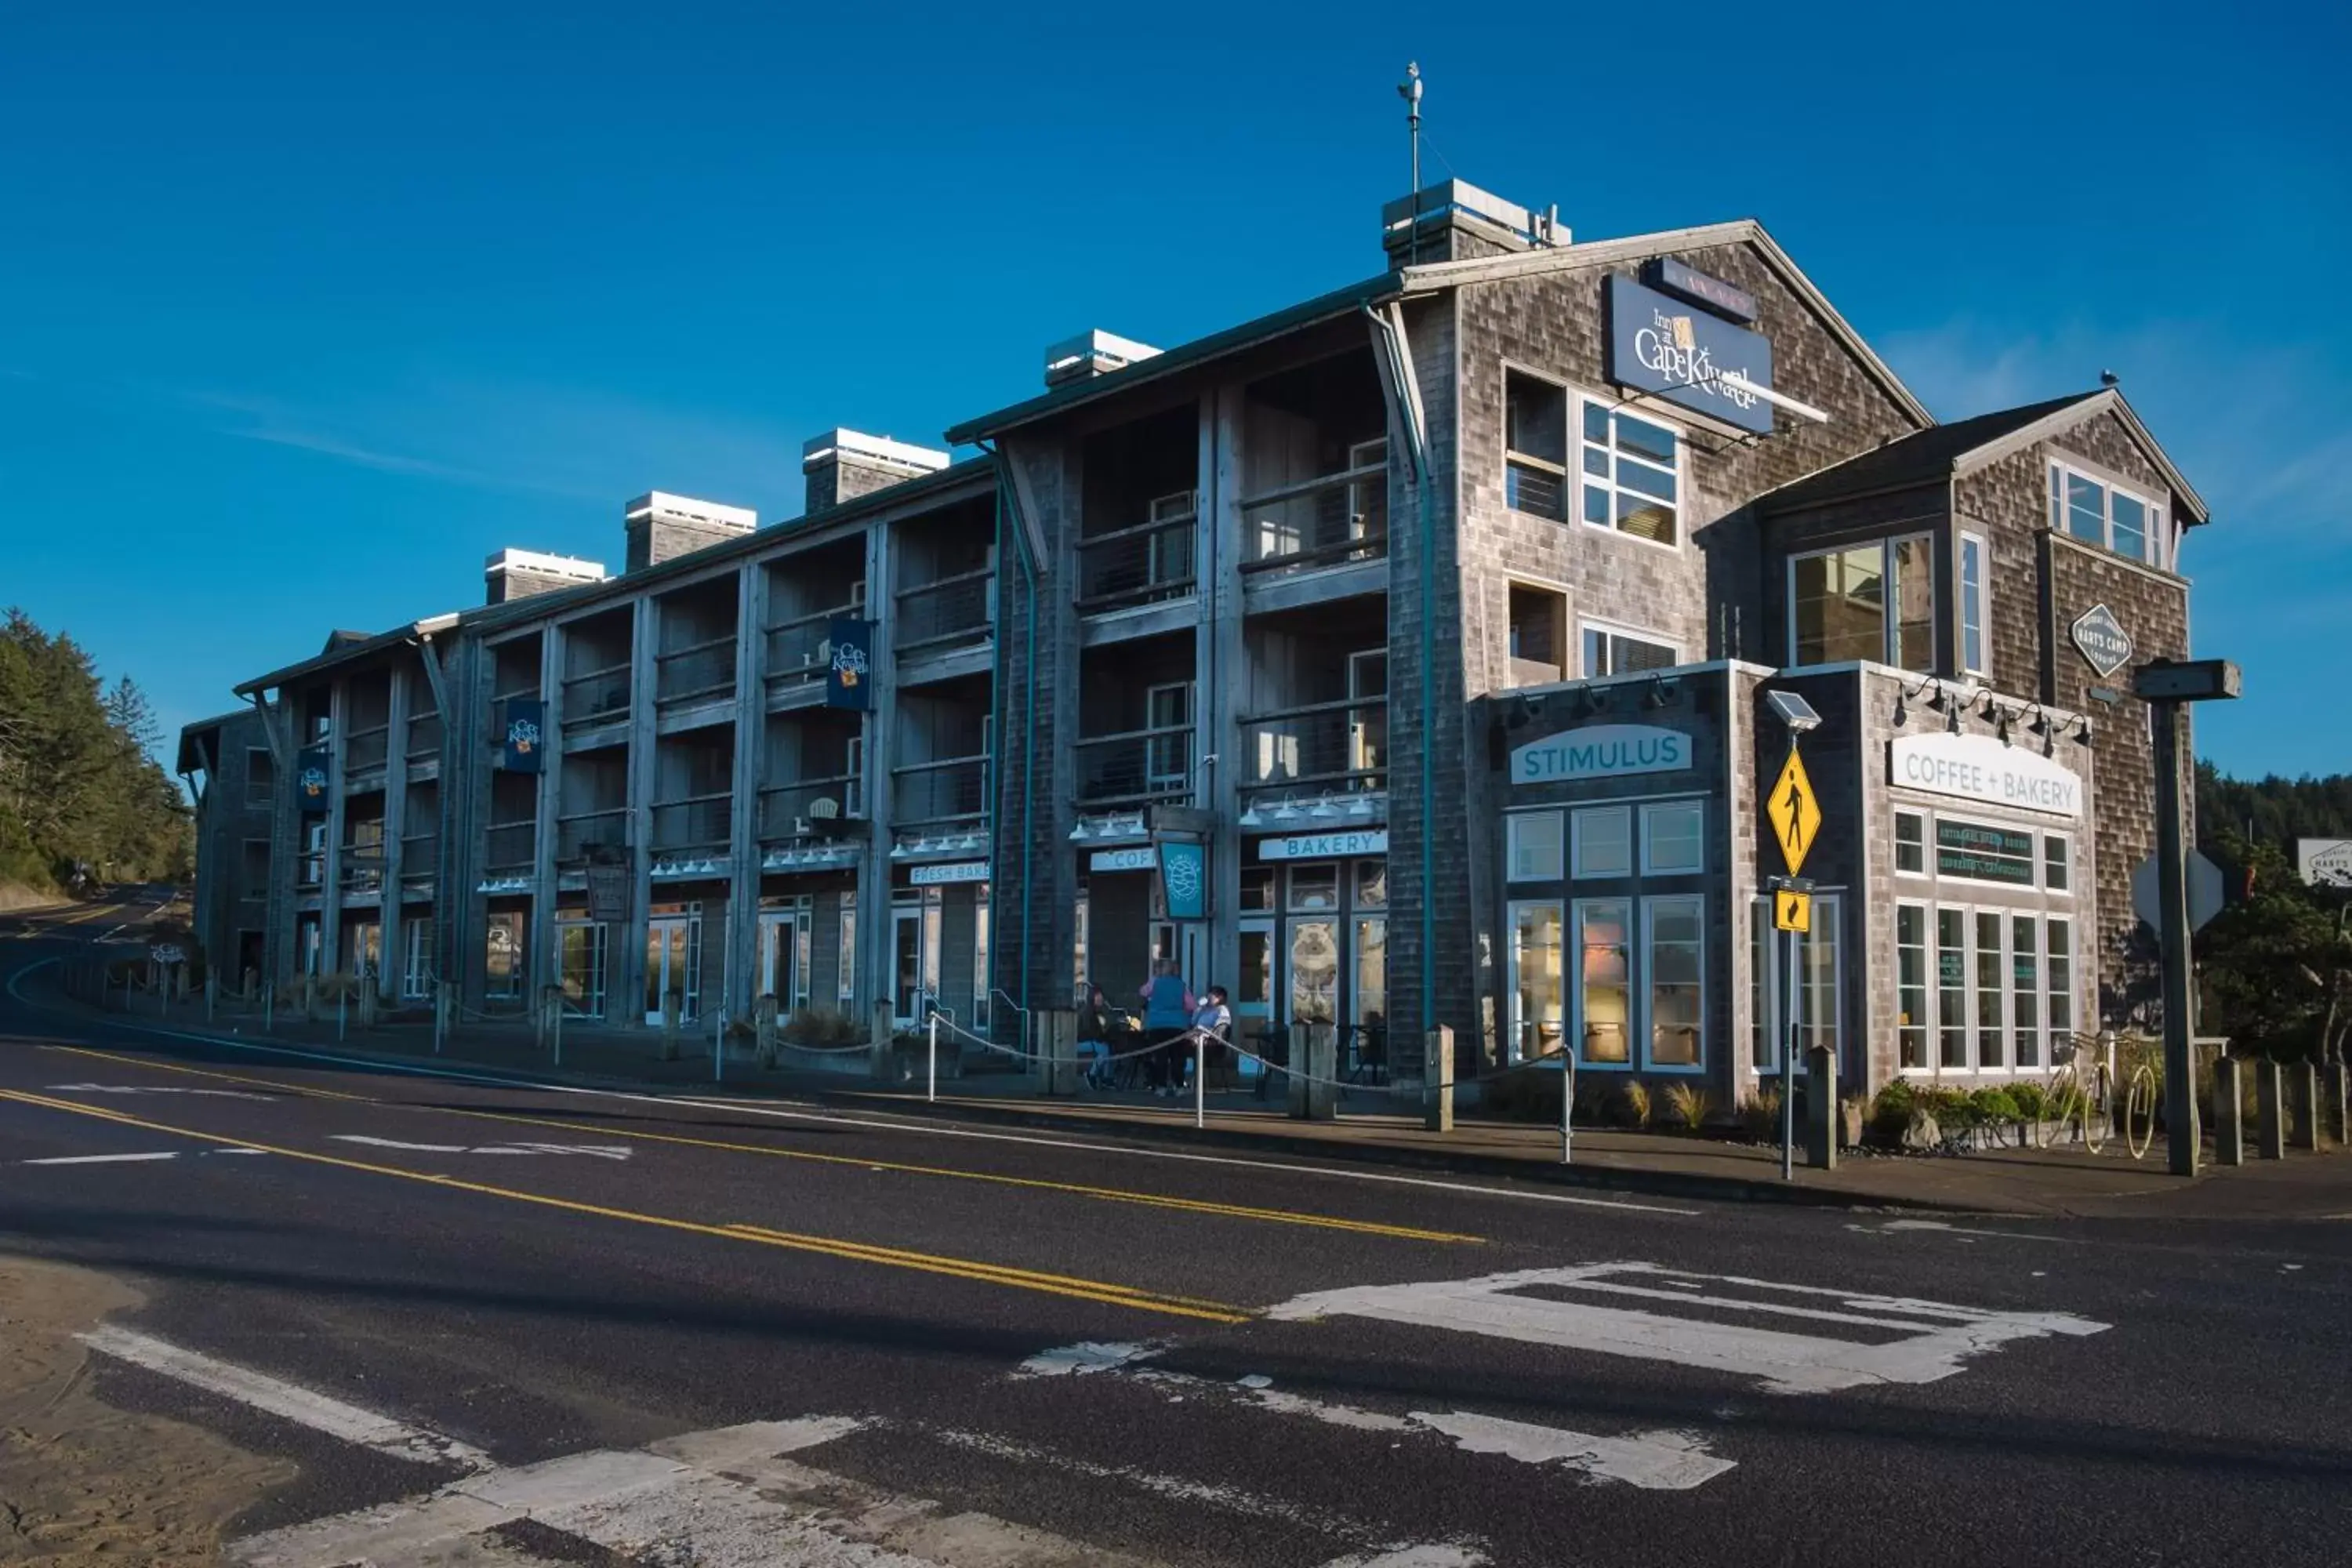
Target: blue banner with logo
{"type": "Point", "coordinates": [523, 734]}
{"type": "Point", "coordinates": [312, 770]}
{"type": "Point", "coordinates": [1663, 346]}
{"type": "Point", "coordinates": [850, 677]}
{"type": "Point", "coordinates": [1184, 879]}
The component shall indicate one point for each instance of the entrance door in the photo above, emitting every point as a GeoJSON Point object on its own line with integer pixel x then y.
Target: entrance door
{"type": "Point", "coordinates": [907, 964]}
{"type": "Point", "coordinates": [1314, 972]}
{"type": "Point", "coordinates": [780, 971]}
{"type": "Point", "coordinates": [673, 963]}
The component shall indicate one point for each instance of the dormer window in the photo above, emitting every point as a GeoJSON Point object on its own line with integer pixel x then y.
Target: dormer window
{"type": "Point", "coordinates": [1873, 602]}
{"type": "Point", "coordinates": [2105, 515]}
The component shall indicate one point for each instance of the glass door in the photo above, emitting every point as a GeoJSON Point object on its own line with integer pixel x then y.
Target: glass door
{"type": "Point", "coordinates": [1314, 972]}
{"type": "Point", "coordinates": [907, 964]}
{"type": "Point", "coordinates": [1538, 983]}
{"type": "Point", "coordinates": [673, 963]}
{"type": "Point", "coordinates": [783, 968]}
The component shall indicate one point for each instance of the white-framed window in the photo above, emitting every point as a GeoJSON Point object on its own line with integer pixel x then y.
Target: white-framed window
{"type": "Point", "coordinates": [1874, 601]}
{"type": "Point", "coordinates": [981, 991]}
{"type": "Point", "coordinates": [1674, 838]}
{"type": "Point", "coordinates": [1675, 982]}
{"type": "Point", "coordinates": [579, 965]}
{"type": "Point", "coordinates": [2105, 515]}
{"type": "Point", "coordinates": [1910, 844]}
{"type": "Point", "coordinates": [1538, 981]}
{"type": "Point", "coordinates": [1983, 852]}
{"type": "Point", "coordinates": [2058, 975]}
{"type": "Point", "coordinates": [2057, 872]}
{"type": "Point", "coordinates": [416, 960]}
{"type": "Point", "coordinates": [2002, 996]}
{"type": "Point", "coordinates": [1976, 603]}
{"type": "Point", "coordinates": [1534, 846]}
{"type": "Point", "coordinates": [1615, 650]}
{"type": "Point", "coordinates": [844, 985]}
{"type": "Point", "coordinates": [1912, 1017]}
{"type": "Point", "coordinates": [1631, 474]}
{"type": "Point", "coordinates": [1604, 980]}
{"type": "Point", "coordinates": [1952, 988]}
{"type": "Point", "coordinates": [1315, 887]}
{"type": "Point", "coordinates": [2025, 990]}
{"type": "Point", "coordinates": [1818, 997]}
{"type": "Point", "coordinates": [1989, 955]}
{"type": "Point", "coordinates": [502, 954]}
{"type": "Point", "coordinates": [1602, 841]}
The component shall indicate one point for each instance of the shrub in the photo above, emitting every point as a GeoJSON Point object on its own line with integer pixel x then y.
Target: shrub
{"type": "Point", "coordinates": [1690, 1106]}
{"type": "Point", "coordinates": [1759, 1114]}
{"type": "Point", "coordinates": [1889, 1114]}
{"type": "Point", "coordinates": [2032, 1101]}
{"type": "Point", "coordinates": [1632, 1102]}
{"type": "Point", "coordinates": [821, 1027]}
{"type": "Point", "coordinates": [1997, 1107]}
{"type": "Point", "coordinates": [1525, 1094]}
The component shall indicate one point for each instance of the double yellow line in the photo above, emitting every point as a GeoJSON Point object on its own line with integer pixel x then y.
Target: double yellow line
{"type": "Point", "coordinates": [853, 1251]}
{"type": "Point", "coordinates": [1034, 1184]}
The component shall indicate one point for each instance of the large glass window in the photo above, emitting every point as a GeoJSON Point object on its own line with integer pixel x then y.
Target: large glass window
{"type": "Point", "coordinates": [1952, 987]}
{"type": "Point", "coordinates": [1535, 846]}
{"type": "Point", "coordinates": [1314, 972]}
{"type": "Point", "coordinates": [845, 987]}
{"type": "Point", "coordinates": [416, 967]}
{"type": "Point", "coordinates": [1630, 474]}
{"type": "Point", "coordinates": [1604, 841]}
{"type": "Point", "coordinates": [1673, 839]}
{"type": "Point", "coordinates": [1911, 984]}
{"type": "Point", "coordinates": [1820, 1014]}
{"type": "Point", "coordinates": [2059, 973]}
{"type": "Point", "coordinates": [2096, 511]}
{"type": "Point", "coordinates": [1674, 972]}
{"type": "Point", "coordinates": [1874, 601]}
{"type": "Point", "coordinates": [1538, 981]}
{"type": "Point", "coordinates": [1534, 437]}
{"type": "Point", "coordinates": [1990, 1008]}
{"type": "Point", "coordinates": [502, 965]}
{"type": "Point", "coordinates": [2053, 862]}
{"type": "Point", "coordinates": [580, 959]}
{"type": "Point", "coordinates": [1975, 604]}
{"type": "Point", "coordinates": [1911, 843]}
{"type": "Point", "coordinates": [2025, 988]}
{"type": "Point", "coordinates": [1611, 652]}
{"type": "Point", "coordinates": [1980, 852]}
{"type": "Point", "coordinates": [1604, 980]}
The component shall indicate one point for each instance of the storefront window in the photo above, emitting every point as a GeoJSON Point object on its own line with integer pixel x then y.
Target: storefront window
{"type": "Point", "coordinates": [2060, 975]}
{"type": "Point", "coordinates": [1314, 972]}
{"type": "Point", "coordinates": [1674, 972]}
{"type": "Point", "coordinates": [1673, 839]}
{"type": "Point", "coordinates": [1604, 842]}
{"type": "Point", "coordinates": [2053, 862]}
{"type": "Point", "coordinates": [1372, 884]}
{"type": "Point", "coordinates": [1257, 889]}
{"type": "Point", "coordinates": [1990, 1037]}
{"type": "Point", "coordinates": [1952, 987]}
{"type": "Point", "coordinates": [1253, 985]}
{"type": "Point", "coordinates": [1911, 984]}
{"type": "Point", "coordinates": [1604, 997]}
{"type": "Point", "coordinates": [502, 953]}
{"type": "Point", "coordinates": [1372, 972]}
{"type": "Point", "coordinates": [416, 967]}
{"type": "Point", "coordinates": [1539, 981]}
{"type": "Point", "coordinates": [2025, 988]}
{"type": "Point", "coordinates": [1535, 846]}
{"type": "Point", "coordinates": [579, 965]}
{"type": "Point", "coordinates": [366, 942]}
{"type": "Point", "coordinates": [1315, 887]}
{"type": "Point", "coordinates": [1911, 843]}
{"type": "Point", "coordinates": [846, 938]}
{"type": "Point", "coordinates": [1818, 1008]}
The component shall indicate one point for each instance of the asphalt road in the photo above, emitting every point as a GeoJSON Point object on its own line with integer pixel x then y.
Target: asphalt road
{"type": "Point", "coordinates": [600, 1328]}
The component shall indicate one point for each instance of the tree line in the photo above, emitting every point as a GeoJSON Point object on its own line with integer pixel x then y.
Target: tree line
{"type": "Point", "coordinates": [80, 787]}
{"type": "Point", "coordinates": [2276, 963]}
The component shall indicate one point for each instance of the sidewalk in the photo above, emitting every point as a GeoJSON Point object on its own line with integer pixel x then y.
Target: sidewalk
{"type": "Point", "coordinates": [2055, 1183]}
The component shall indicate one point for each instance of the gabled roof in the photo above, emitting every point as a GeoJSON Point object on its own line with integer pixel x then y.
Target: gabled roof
{"type": "Point", "coordinates": [190, 760]}
{"type": "Point", "coordinates": [1437, 274]}
{"type": "Point", "coordinates": [1944, 452]}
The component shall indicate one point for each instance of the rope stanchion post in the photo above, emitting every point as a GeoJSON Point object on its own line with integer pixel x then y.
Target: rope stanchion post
{"type": "Point", "coordinates": [878, 1043]}
{"type": "Point", "coordinates": [269, 1007]}
{"type": "Point", "coordinates": [763, 1024]}
{"type": "Point", "coordinates": [1437, 1079]}
{"type": "Point", "coordinates": [440, 1014]}
{"type": "Point", "coordinates": [932, 1085]}
{"type": "Point", "coordinates": [1200, 1078]}
{"type": "Point", "coordinates": [342, 1012]}
{"type": "Point", "coordinates": [719, 1049]}
{"type": "Point", "coordinates": [212, 995]}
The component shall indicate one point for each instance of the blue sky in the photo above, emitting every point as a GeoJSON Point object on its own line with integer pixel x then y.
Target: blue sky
{"type": "Point", "coordinates": [304, 310]}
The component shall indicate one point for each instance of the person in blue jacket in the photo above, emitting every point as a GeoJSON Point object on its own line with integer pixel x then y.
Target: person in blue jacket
{"type": "Point", "coordinates": [1167, 1013]}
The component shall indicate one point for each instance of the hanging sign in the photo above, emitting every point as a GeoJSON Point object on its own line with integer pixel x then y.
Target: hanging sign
{"type": "Point", "coordinates": [1601, 751]}
{"type": "Point", "coordinates": [1661, 346]}
{"type": "Point", "coordinates": [2101, 639]}
{"type": "Point", "coordinates": [609, 890]}
{"type": "Point", "coordinates": [311, 771]}
{"type": "Point", "coordinates": [1979, 768]}
{"type": "Point", "coordinates": [1680, 277]}
{"type": "Point", "coordinates": [849, 675]}
{"type": "Point", "coordinates": [938, 875]}
{"type": "Point", "coordinates": [1184, 879]}
{"type": "Point", "coordinates": [523, 726]}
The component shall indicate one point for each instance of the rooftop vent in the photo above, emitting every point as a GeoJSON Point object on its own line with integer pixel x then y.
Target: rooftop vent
{"type": "Point", "coordinates": [1453, 220]}
{"type": "Point", "coordinates": [520, 573]}
{"type": "Point", "coordinates": [1091, 355]}
{"type": "Point", "coordinates": [841, 465]}
{"type": "Point", "coordinates": [661, 526]}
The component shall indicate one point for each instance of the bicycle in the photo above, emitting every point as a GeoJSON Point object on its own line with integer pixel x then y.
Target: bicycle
{"type": "Point", "coordinates": [2141, 1093]}
{"type": "Point", "coordinates": [2070, 1099]}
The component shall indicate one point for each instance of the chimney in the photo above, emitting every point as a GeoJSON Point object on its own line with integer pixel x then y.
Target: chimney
{"type": "Point", "coordinates": [1091, 355]}
{"type": "Point", "coordinates": [520, 573]}
{"type": "Point", "coordinates": [662, 526]}
{"type": "Point", "coordinates": [1450, 221]}
{"type": "Point", "coordinates": [841, 465]}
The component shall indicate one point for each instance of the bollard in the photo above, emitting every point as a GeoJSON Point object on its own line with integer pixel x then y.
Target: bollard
{"type": "Point", "coordinates": [932, 1090]}
{"type": "Point", "coordinates": [555, 1020]}
{"type": "Point", "coordinates": [343, 1007]}
{"type": "Point", "coordinates": [672, 1004]}
{"type": "Point", "coordinates": [879, 1061]}
{"type": "Point", "coordinates": [763, 1026]}
{"type": "Point", "coordinates": [719, 1049]}
{"type": "Point", "coordinates": [1200, 1078]}
{"type": "Point", "coordinates": [2302, 1106]}
{"type": "Point", "coordinates": [368, 1002]}
{"type": "Point", "coordinates": [1054, 1037]}
{"type": "Point", "coordinates": [440, 1014]}
{"type": "Point", "coordinates": [2270, 1123]}
{"type": "Point", "coordinates": [1313, 1096]}
{"type": "Point", "coordinates": [2229, 1113]}
{"type": "Point", "coordinates": [212, 993]}
{"type": "Point", "coordinates": [1820, 1107]}
{"type": "Point", "coordinates": [2334, 1080]}
{"type": "Point", "coordinates": [1567, 1105]}
{"type": "Point", "coordinates": [1437, 1083]}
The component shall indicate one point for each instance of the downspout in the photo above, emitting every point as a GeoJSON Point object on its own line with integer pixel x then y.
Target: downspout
{"type": "Point", "coordinates": [1005, 507]}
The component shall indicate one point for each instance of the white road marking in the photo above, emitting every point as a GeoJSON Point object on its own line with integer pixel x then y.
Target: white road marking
{"type": "Point", "coordinates": [1942, 1334]}
{"type": "Point", "coordinates": [1959, 1230]}
{"type": "Point", "coordinates": [1656, 1461]}
{"type": "Point", "coordinates": [99, 1159]}
{"type": "Point", "coordinates": [288, 1401]}
{"type": "Point", "coordinates": [156, 1088]}
{"type": "Point", "coordinates": [774, 1110]}
{"type": "Point", "coordinates": [593, 1150]}
{"type": "Point", "coordinates": [1440, 1556]}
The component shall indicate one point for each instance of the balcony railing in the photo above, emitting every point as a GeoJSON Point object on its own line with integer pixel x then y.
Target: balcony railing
{"type": "Point", "coordinates": [365, 750]}
{"type": "Point", "coordinates": [363, 861]}
{"type": "Point", "coordinates": [1137, 565]}
{"type": "Point", "coordinates": [513, 845]}
{"type": "Point", "coordinates": [311, 871]}
{"type": "Point", "coordinates": [1326, 522]}
{"type": "Point", "coordinates": [424, 738]}
{"type": "Point", "coordinates": [705, 670]}
{"type": "Point", "coordinates": [1136, 767]}
{"type": "Point", "coordinates": [420, 857]}
{"type": "Point", "coordinates": [260, 792]}
{"type": "Point", "coordinates": [1337, 745]}
{"type": "Point", "coordinates": [575, 833]}
{"type": "Point", "coordinates": [797, 649]}
{"type": "Point", "coordinates": [953, 609]}
{"type": "Point", "coordinates": [954, 789]}
{"type": "Point", "coordinates": [784, 807]}
{"type": "Point", "coordinates": [705, 822]}
{"type": "Point", "coordinates": [598, 695]}
{"type": "Point", "coordinates": [1535, 486]}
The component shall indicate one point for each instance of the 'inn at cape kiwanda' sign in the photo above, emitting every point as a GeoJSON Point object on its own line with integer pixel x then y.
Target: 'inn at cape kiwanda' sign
{"type": "Point", "coordinates": [1661, 345]}
{"type": "Point", "coordinates": [1979, 768]}
{"type": "Point", "coordinates": [1601, 751]}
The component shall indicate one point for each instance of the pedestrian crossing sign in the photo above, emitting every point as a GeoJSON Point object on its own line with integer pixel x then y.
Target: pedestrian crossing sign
{"type": "Point", "coordinates": [1795, 813]}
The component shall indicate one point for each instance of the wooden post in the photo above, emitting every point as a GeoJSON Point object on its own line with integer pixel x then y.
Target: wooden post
{"type": "Point", "coordinates": [2303, 1105]}
{"type": "Point", "coordinates": [2269, 1113]}
{"type": "Point", "coordinates": [673, 1004]}
{"type": "Point", "coordinates": [2229, 1112]}
{"type": "Point", "coordinates": [763, 1017]}
{"type": "Point", "coordinates": [1437, 1079]}
{"type": "Point", "coordinates": [1820, 1107]}
{"type": "Point", "coordinates": [879, 1049]}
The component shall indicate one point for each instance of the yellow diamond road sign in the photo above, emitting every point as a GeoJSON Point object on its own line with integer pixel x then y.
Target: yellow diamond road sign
{"type": "Point", "coordinates": [1791, 911]}
{"type": "Point", "coordinates": [1795, 813]}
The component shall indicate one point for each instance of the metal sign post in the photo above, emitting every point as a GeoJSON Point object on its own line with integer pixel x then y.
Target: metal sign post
{"type": "Point", "coordinates": [1795, 813]}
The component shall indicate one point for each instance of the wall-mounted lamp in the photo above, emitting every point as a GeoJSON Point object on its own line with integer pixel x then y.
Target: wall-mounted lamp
{"type": "Point", "coordinates": [1662, 691]}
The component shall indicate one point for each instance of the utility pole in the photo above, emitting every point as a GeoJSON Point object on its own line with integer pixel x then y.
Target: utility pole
{"type": "Point", "coordinates": [1410, 90]}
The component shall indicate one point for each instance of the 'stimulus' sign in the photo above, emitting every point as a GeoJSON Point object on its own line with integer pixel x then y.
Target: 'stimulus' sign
{"type": "Point", "coordinates": [1599, 752]}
